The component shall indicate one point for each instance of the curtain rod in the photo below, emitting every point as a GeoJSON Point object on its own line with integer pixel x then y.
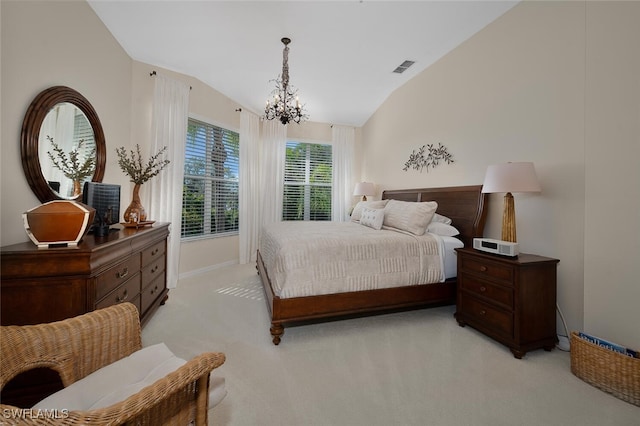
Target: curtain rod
{"type": "Point", "coordinates": [152, 73]}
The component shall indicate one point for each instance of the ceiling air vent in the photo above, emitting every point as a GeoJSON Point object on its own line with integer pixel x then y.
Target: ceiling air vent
{"type": "Point", "coordinates": [403, 66]}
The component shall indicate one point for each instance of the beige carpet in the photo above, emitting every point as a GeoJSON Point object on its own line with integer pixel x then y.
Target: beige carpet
{"type": "Point", "coordinates": [409, 368]}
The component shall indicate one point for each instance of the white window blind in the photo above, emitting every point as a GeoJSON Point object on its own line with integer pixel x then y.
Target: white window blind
{"type": "Point", "coordinates": [210, 195]}
{"type": "Point", "coordinates": [307, 182]}
{"type": "Point", "coordinates": [82, 131]}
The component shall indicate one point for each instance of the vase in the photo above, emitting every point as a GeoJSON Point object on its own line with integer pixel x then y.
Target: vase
{"type": "Point", "coordinates": [77, 188]}
{"type": "Point", "coordinates": [135, 212]}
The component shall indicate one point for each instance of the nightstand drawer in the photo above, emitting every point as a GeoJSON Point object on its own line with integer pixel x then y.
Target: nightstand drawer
{"type": "Point", "coordinates": [485, 289]}
{"type": "Point", "coordinates": [487, 268]}
{"type": "Point", "coordinates": [499, 320]}
{"type": "Point", "coordinates": [511, 300]}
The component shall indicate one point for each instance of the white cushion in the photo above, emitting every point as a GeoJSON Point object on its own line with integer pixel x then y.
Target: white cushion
{"type": "Point", "coordinates": [125, 377]}
{"type": "Point", "coordinates": [442, 229]}
{"type": "Point", "coordinates": [357, 210]}
{"type": "Point", "coordinates": [409, 216]}
{"type": "Point", "coordinates": [372, 218]}
{"type": "Point", "coordinates": [217, 390]}
{"type": "Point", "coordinates": [440, 218]}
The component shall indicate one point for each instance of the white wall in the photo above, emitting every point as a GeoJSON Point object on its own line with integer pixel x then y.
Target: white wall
{"type": "Point", "coordinates": [516, 92]}
{"type": "Point", "coordinates": [46, 44]}
{"type": "Point", "coordinates": [612, 164]}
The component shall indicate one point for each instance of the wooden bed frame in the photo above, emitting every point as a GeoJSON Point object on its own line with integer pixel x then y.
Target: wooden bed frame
{"type": "Point", "coordinates": [465, 205]}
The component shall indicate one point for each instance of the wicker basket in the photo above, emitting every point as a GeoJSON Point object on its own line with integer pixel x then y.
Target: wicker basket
{"type": "Point", "coordinates": [607, 370]}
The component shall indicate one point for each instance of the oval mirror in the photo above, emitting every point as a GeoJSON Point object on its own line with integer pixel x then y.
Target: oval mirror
{"type": "Point", "coordinates": [62, 144]}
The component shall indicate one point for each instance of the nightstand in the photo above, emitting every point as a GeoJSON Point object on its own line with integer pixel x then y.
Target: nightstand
{"type": "Point", "coordinates": [512, 300]}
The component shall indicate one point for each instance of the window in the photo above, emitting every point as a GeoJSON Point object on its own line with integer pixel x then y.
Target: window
{"type": "Point", "coordinates": [307, 182]}
{"type": "Point", "coordinates": [210, 189]}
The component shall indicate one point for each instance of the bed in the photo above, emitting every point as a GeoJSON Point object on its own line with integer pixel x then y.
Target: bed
{"type": "Point", "coordinates": [432, 283]}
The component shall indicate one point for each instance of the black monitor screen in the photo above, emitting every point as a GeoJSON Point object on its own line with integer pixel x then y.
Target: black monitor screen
{"type": "Point", "coordinates": [105, 198]}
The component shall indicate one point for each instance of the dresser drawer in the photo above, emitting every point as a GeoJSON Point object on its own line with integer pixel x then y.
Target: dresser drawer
{"type": "Point", "coordinates": [116, 275]}
{"type": "Point", "coordinates": [487, 268]}
{"type": "Point", "coordinates": [153, 270]}
{"type": "Point", "coordinates": [151, 292]}
{"type": "Point", "coordinates": [487, 315]}
{"type": "Point", "coordinates": [485, 289]}
{"type": "Point", "coordinates": [128, 292]}
{"type": "Point", "coordinates": [152, 253]}
{"type": "Point", "coordinates": [135, 302]}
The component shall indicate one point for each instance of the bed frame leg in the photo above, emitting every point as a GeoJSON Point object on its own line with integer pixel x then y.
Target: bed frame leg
{"type": "Point", "coordinates": [277, 330]}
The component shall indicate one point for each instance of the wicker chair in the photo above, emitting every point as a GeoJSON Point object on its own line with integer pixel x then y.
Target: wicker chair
{"type": "Point", "coordinates": [79, 346]}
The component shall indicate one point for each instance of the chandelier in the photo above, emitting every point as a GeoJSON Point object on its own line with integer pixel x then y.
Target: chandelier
{"type": "Point", "coordinates": [285, 105]}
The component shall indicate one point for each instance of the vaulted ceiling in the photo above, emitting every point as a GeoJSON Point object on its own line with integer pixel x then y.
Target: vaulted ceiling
{"type": "Point", "coordinates": [342, 53]}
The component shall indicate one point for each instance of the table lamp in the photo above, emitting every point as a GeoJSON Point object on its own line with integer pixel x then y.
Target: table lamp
{"type": "Point", "coordinates": [364, 189]}
{"type": "Point", "coordinates": [509, 178]}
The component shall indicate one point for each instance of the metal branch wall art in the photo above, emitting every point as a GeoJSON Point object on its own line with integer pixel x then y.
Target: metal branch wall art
{"type": "Point", "coordinates": [432, 157]}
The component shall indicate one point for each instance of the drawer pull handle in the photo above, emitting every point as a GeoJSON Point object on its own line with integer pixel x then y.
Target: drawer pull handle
{"type": "Point", "coordinates": [154, 252]}
{"type": "Point", "coordinates": [154, 269]}
{"type": "Point", "coordinates": [123, 298]}
{"type": "Point", "coordinates": [122, 274]}
{"type": "Point", "coordinates": [483, 289]}
{"type": "Point", "coordinates": [483, 268]}
{"type": "Point", "coordinates": [154, 290]}
{"type": "Point", "coordinates": [483, 312]}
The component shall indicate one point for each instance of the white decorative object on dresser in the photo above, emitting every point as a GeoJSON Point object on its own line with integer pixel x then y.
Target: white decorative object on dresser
{"type": "Point", "coordinates": [504, 248]}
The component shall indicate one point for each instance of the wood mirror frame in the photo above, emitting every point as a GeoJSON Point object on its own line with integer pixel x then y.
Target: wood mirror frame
{"type": "Point", "coordinates": [30, 137]}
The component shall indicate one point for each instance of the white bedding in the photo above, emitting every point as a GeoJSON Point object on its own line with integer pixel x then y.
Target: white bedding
{"type": "Point", "coordinates": [313, 258]}
{"type": "Point", "coordinates": [450, 257]}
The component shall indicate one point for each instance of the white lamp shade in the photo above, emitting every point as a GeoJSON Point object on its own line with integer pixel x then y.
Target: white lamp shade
{"type": "Point", "coordinates": [364, 188]}
{"type": "Point", "coordinates": [511, 177]}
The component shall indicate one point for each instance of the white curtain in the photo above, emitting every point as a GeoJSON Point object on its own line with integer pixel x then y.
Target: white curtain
{"type": "Point", "coordinates": [163, 193]}
{"type": "Point", "coordinates": [249, 191]}
{"type": "Point", "coordinates": [343, 156]}
{"type": "Point", "coordinates": [59, 124]}
{"type": "Point", "coordinates": [272, 154]}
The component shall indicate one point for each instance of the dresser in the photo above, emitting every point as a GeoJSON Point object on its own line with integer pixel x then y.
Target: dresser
{"type": "Point", "coordinates": [512, 300]}
{"type": "Point", "coordinates": [45, 285]}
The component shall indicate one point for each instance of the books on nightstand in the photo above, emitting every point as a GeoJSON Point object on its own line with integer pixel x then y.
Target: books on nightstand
{"type": "Point", "coordinates": [608, 345]}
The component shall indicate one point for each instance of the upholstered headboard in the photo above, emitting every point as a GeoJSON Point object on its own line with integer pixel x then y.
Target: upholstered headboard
{"type": "Point", "coordinates": [465, 205]}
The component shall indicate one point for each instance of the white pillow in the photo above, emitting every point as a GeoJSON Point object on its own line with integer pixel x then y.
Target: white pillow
{"type": "Point", "coordinates": [372, 218]}
{"type": "Point", "coordinates": [409, 216]}
{"type": "Point", "coordinates": [357, 210]}
{"type": "Point", "coordinates": [442, 219]}
{"type": "Point", "coordinates": [442, 229]}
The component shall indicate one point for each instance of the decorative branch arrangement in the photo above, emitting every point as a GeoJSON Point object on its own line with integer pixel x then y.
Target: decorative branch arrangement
{"type": "Point", "coordinates": [418, 160]}
{"type": "Point", "coordinates": [133, 165]}
{"type": "Point", "coordinates": [71, 166]}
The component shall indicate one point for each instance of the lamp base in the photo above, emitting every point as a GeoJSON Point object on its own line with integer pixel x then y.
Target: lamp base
{"type": "Point", "coordinates": [509, 219]}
